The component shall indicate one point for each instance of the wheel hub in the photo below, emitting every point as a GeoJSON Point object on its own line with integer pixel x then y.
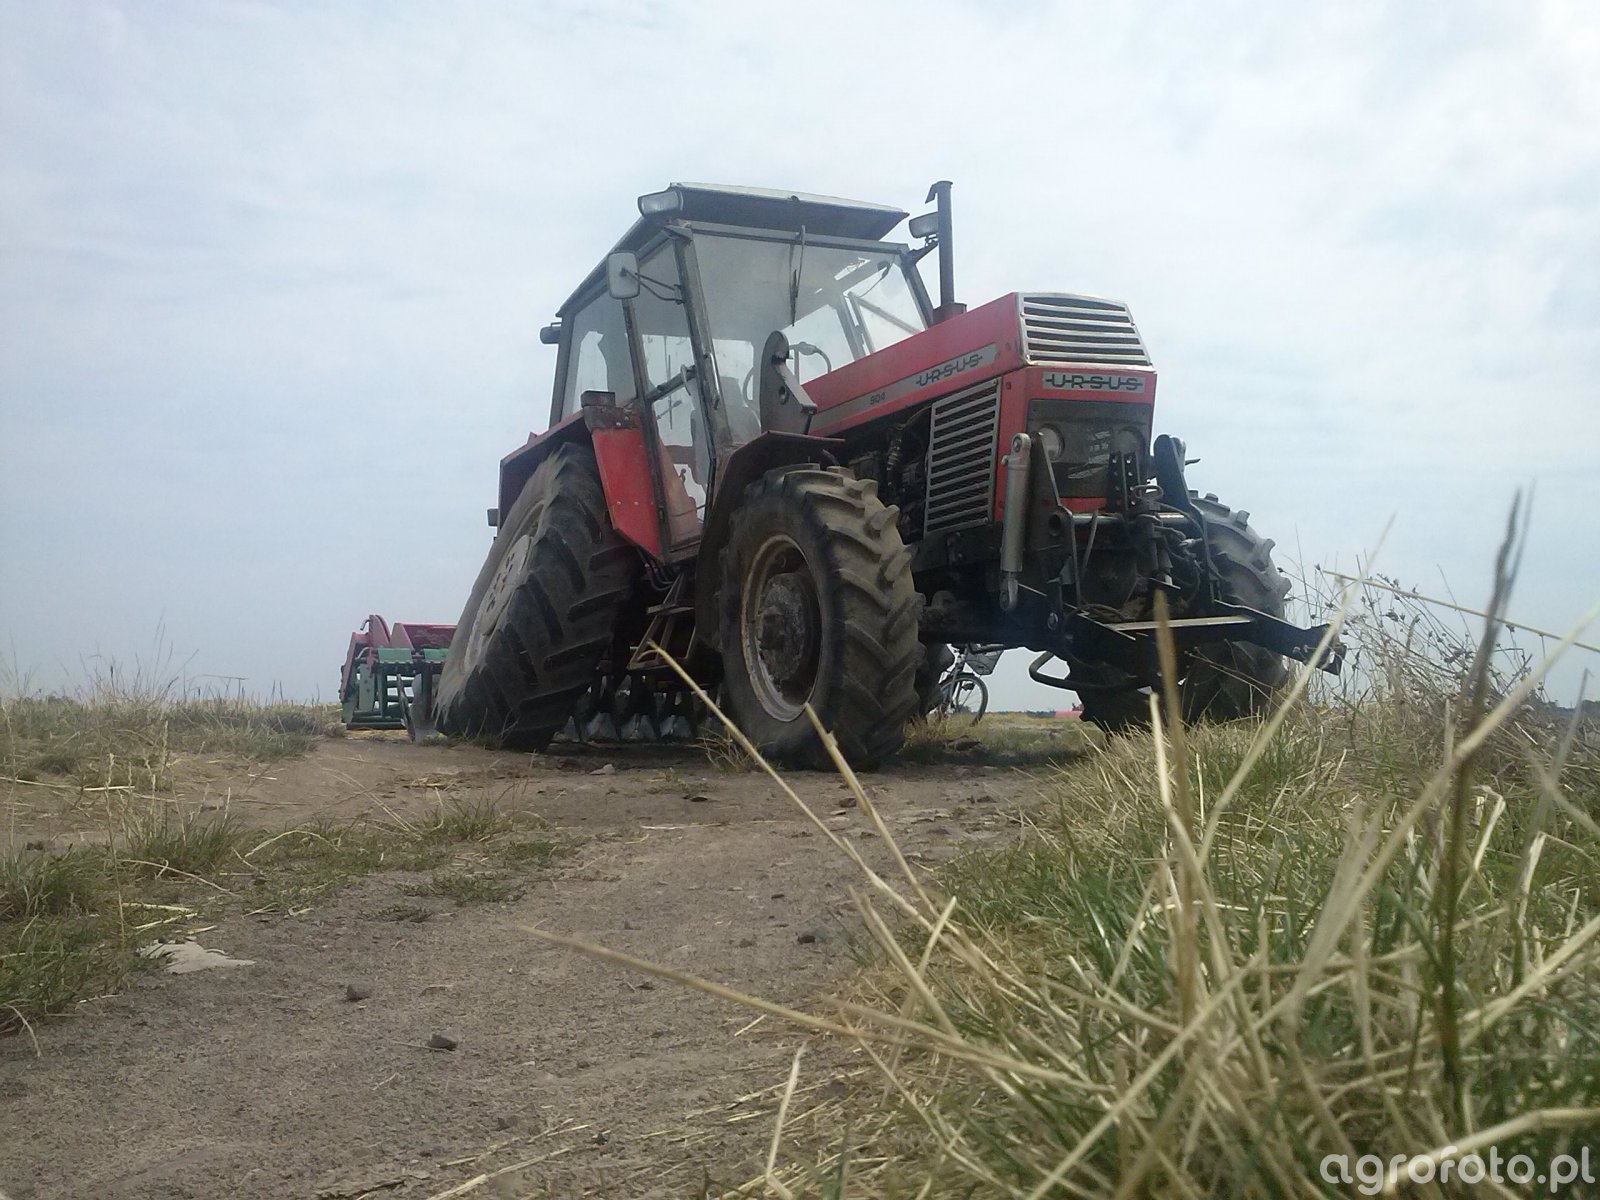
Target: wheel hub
{"type": "Point", "coordinates": [781, 627]}
{"type": "Point", "coordinates": [787, 634]}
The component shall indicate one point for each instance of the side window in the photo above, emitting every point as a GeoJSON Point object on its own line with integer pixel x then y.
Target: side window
{"type": "Point", "coordinates": [662, 319]}
{"type": "Point", "coordinates": [599, 357]}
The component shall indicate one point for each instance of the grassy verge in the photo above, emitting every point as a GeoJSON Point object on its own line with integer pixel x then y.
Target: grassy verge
{"type": "Point", "coordinates": [71, 922]}
{"type": "Point", "coordinates": [1370, 929]}
{"type": "Point", "coordinates": [116, 740]}
{"type": "Point", "coordinates": [1110, 1010]}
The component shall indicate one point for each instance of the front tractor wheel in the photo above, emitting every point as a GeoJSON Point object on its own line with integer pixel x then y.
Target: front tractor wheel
{"type": "Point", "coordinates": [543, 612]}
{"type": "Point", "coordinates": [818, 609]}
{"type": "Point", "coordinates": [1230, 680]}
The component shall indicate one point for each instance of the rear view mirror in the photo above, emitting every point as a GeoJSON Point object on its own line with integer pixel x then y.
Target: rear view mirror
{"type": "Point", "coordinates": [622, 275]}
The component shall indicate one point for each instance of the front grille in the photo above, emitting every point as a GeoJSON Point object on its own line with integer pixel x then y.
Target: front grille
{"type": "Point", "coordinates": [1061, 331]}
{"type": "Point", "coordinates": [961, 458]}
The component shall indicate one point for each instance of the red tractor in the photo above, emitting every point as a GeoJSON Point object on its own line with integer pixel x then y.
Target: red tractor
{"type": "Point", "coordinates": [773, 456]}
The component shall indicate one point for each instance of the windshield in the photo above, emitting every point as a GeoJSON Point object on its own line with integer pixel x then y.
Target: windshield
{"type": "Point", "coordinates": [835, 305]}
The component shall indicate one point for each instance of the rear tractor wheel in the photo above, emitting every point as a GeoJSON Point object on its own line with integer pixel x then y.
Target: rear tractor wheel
{"type": "Point", "coordinates": [818, 608]}
{"type": "Point", "coordinates": [1231, 680]}
{"type": "Point", "coordinates": [543, 612]}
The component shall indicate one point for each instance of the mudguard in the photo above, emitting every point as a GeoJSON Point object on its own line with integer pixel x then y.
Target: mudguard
{"type": "Point", "coordinates": [619, 452]}
{"type": "Point", "coordinates": [517, 467]}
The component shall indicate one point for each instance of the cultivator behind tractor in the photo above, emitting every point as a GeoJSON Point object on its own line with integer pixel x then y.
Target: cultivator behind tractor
{"type": "Point", "coordinates": [386, 671]}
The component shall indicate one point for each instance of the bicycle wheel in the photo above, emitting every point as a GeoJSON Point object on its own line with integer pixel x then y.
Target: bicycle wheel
{"type": "Point", "coordinates": [969, 699]}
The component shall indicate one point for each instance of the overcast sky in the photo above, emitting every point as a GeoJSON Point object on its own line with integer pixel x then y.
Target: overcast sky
{"type": "Point", "coordinates": [271, 275]}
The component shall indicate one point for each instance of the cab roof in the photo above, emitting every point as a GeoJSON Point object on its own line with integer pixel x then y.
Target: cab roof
{"type": "Point", "coordinates": [770, 208]}
{"type": "Point", "coordinates": [749, 208]}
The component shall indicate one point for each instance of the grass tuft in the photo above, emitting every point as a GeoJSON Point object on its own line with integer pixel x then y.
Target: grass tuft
{"type": "Point", "coordinates": [479, 820]}
{"type": "Point", "coordinates": [44, 885]}
{"type": "Point", "coordinates": [468, 887]}
{"type": "Point", "coordinates": [159, 840]}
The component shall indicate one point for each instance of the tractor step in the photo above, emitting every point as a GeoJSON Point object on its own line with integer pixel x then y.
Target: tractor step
{"type": "Point", "coordinates": [671, 627]}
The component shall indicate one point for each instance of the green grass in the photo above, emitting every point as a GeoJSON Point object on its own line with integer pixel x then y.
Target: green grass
{"type": "Point", "coordinates": [468, 887]}
{"type": "Point", "coordinates": [47, 964]}
{"type": "Point", "coordinates": [1224, 953]}
{"type": "Point", "coordinates": [1103, 1011]}
{"type": "Point", "coordinates": [47, 885]}
{"type": "Point", "coordinates": [162, 841]}
{"type": "Point", "coordinates": [1000, 739]}
{"type": "Point", "coordinates": [70, 922]}
{"type": "Point", "coordinates": [479, 820]}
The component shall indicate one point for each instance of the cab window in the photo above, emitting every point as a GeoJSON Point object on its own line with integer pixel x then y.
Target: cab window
{"type": "Point", "coordinates": [598, 361]}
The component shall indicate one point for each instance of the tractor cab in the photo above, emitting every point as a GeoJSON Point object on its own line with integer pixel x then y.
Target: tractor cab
{"type": "Point", "coordinates": [674, 323]}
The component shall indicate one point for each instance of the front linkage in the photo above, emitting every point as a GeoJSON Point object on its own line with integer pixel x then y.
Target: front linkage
{"type": "Point", "coordinates": [1164, 526]}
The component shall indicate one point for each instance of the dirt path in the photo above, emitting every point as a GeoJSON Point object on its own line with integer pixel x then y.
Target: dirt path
{"type": "Point", "coordinates": [266, 1081]}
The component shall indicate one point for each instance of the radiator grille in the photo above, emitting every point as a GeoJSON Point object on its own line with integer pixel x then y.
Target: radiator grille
{"type": "Point", "coordinates": [961, 458]}
{"type": "Point", "coordinates": [1067, 330]}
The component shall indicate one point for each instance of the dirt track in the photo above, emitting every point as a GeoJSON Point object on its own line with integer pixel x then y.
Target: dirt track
{"type": "Point", "coordinates": [266, 1081]}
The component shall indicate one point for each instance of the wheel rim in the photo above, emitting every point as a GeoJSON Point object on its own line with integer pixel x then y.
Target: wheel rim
{"type": "Point", "coordinates": [507, 577]}
{"type": "Point", "coordinates": [780, 627]}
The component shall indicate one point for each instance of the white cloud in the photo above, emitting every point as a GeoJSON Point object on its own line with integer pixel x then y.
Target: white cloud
{"type": "Point", "coordinates": [270, 275]}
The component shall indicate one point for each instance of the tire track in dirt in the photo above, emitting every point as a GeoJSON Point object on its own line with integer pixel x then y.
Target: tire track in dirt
{"type": "Point", "coordinates": [267, 1081]}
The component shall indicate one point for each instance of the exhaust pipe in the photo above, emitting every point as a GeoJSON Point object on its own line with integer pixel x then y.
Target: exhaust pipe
{"type": "Point", "coordinates": [935, 228]}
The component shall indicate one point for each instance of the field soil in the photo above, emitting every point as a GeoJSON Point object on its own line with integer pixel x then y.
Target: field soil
{"type": "Point", "coordinates": [569, 1076]}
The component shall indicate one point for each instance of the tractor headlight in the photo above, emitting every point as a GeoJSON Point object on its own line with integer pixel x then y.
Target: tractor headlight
{"type": "Point", "coordinates": [1050, 439]}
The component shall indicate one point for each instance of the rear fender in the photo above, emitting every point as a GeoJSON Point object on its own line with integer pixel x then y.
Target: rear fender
{"type": "Point", "coordinates": [745, 465]}
{"type": "Point", "coordinates": [619, 451]}
{"type": "Point", "coordinates": [518, 467]}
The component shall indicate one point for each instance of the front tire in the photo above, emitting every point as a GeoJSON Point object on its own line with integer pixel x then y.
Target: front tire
{"type": "Point", "coordinates": [543, 612]}
{"type": "Point", "coordinates": [818, 609]}
{"type": "Point", "coordinates": [1230, 680]}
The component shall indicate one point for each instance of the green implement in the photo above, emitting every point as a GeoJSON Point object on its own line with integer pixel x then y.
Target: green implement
{"type": "Point", "coordinates": [389, 673]}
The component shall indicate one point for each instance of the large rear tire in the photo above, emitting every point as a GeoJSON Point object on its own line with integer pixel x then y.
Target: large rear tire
{"type": "Point", "coordinates": [543, 612]}
{"type": "Point", "coordinates": [818, 608]}
{"type": "Point", "coordinates": [1230, 680]}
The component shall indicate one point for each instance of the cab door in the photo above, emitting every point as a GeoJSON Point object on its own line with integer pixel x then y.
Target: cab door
{"type": "Point", "coordinates": [673, 402]}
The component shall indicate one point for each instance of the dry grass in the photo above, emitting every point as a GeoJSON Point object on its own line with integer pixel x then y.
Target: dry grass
{"type": "Point", "coordinates": [1369, 926]}
{"type": "Point", "coordinates": [135, 735]}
